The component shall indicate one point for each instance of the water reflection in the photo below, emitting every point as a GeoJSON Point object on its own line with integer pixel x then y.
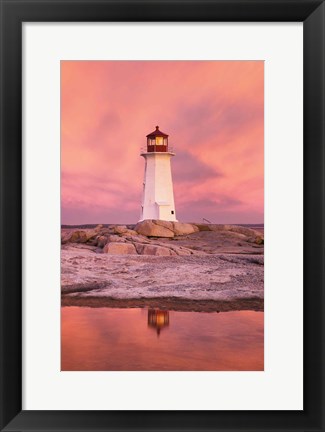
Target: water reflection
{"type": "Point", "coordinates": [158, 319]}
{"type": "Point", "coordinates": [112, 339]}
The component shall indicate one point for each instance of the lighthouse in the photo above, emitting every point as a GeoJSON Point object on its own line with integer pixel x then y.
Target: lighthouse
{"type": "Point", "coordinates": [158, 196]}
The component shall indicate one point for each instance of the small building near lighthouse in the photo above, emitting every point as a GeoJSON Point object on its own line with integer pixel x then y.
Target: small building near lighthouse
{"type": "Point", "coordinates": [158, 195]}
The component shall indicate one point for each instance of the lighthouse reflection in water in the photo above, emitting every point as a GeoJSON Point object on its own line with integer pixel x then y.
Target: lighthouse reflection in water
{"type": "Point", "coordinates": [158, 319]}
{"type": "Point", "coordinates": [188, 341]}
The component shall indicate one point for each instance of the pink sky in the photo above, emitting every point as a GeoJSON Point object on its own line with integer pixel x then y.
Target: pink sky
{"type": "Point", "coordinates": [213, 112]}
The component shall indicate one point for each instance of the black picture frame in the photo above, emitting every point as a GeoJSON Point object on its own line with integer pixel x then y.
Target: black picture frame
{"type": "Point", "coordinates": [13, 14]}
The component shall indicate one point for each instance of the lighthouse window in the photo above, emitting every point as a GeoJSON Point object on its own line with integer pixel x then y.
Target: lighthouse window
{"type": "Point", "coordinates": [172, 212]}
{"type": "Point", "coordinates": [159, 140]}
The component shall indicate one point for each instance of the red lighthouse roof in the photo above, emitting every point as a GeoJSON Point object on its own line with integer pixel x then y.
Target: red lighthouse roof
{"type": "Point", "coordinates": [156, 133]}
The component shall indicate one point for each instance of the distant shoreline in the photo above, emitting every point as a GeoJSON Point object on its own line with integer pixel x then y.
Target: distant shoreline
{"type": "Point", "coordinates": [131, 226]}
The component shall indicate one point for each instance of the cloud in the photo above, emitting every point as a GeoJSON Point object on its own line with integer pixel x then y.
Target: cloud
{"type": "Point", "coordinates": [217, 122]}
{"type": "Point", "coordinates": [187, 168]}
{"type": "Point", "coordinates": [212, 110]}
{"type": "Point", "coordinates": [193, 212]}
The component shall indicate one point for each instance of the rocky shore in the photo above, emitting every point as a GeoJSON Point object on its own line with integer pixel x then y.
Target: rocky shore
{"type": "Point", "coordinates": [162, 264]}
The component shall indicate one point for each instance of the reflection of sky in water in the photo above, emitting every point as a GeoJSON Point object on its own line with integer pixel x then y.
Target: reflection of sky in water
{"type": "Point", "coordinates": [126, 339]}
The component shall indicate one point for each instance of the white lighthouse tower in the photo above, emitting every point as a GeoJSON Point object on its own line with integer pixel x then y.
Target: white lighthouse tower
{"type": "Point", "coordinates": [158, 195]}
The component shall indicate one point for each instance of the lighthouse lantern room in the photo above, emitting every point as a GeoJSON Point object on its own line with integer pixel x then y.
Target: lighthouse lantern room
{"type": "Point", "coordinates": [157, 141]}
{"type": "Point", "coordinates": [158, 196]}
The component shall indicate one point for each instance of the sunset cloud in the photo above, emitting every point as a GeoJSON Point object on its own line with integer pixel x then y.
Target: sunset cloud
{"type": "Point", "coordinates": [213, 112]}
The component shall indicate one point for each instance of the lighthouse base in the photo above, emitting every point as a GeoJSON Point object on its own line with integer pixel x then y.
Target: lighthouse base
{"type": "Point", "coordinates": [159, 211]}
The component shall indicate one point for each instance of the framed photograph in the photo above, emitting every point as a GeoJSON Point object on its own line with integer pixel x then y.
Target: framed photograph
{"type": "Point", "coordinates": [152, 155]}
{"type": "Point", "coordinates": [176, 284]}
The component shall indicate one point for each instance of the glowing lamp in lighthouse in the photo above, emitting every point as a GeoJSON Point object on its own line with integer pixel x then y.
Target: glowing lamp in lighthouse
{"type": "Point", "coordinates": [158, 195]}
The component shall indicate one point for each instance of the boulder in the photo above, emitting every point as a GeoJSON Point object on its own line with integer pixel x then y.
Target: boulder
{"type": "Point", "coordinates": [65, 237]}
{"type": "Point", "coordinates": [166, 224]}
{"type": "Point", "coordinates": [150, 228]}
{"type": "Point", "coordinates": [203, 227]}
{"type": "Point", "coordinates": [98, 227]}
{"type": "Point", "coordinates": [214, 227]}
{"type": "Point", "coordinates": [249, 232]}
{"type": "Point", "coordinates": [145, 249]}
{"type": "Point", "coordinates": [78, 237]}
{"type": "Point", "coordinates": [82, 236]}
{"type": "Point", "coordinates": [116, 238]}
{"type": "Point", "coordinates": [101, 241]}
{"type": "Point", "coordinates": [105, 231]}
{"type": "Point", "coordinates": [118, 248]}
{"type": "Point", "coordinates": [233, 234]}
{"type": "Point", "coordinates": [138, 239]}
{"type": "Point", "coordinates": [180, 228]}
{"type": "Point", "coordinates": [259, 240]}
{"type": "Point", "coordinates": [158, 228]}
{"type": "Point", "coordinates": [129, 232]}
{"type": "Point", "coordinates": [119, 229]}
{"type": "Point", "coordinates": [241, 232]}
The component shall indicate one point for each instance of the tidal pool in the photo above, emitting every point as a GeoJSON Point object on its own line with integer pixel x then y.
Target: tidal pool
{"type": "Point", "coordinates": [134, 339]}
